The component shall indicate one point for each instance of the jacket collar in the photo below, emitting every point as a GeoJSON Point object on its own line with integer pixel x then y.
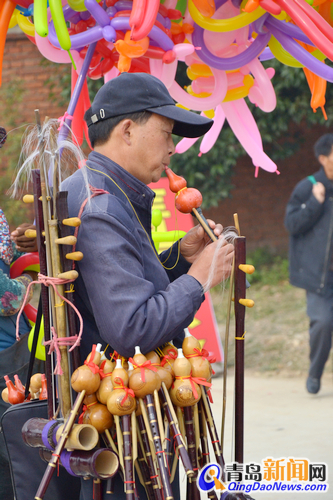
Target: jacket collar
{"type": "Point", "coordinates": [136, 190]}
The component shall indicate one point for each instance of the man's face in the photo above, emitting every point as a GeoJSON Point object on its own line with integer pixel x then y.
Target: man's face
{"type": "Point", "coordinates": [327, 163]}
{"type": "Point", "coordinates": [153, 146]}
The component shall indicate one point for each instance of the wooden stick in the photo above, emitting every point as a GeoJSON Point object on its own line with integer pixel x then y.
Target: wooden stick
{"type": "Point", "coordinates": [240, 292]}
{"type": "Point", "coordinates": [204, 223]}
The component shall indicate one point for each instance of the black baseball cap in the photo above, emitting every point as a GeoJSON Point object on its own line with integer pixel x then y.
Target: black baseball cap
{"type": "Point", "coordinates": [135, 92]}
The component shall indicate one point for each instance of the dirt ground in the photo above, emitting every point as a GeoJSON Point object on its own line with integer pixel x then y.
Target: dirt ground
{"type": "Point", "coordinates": [281, 420]}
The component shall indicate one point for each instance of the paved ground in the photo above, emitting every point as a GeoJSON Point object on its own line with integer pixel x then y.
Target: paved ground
{"type": "Point", "coordinates": [281, 420]}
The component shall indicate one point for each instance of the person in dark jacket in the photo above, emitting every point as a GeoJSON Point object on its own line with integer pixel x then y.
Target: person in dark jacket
{"type": "Point", "coordinates": [309, 220]}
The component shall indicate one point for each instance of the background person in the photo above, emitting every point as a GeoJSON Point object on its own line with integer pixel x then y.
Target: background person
{"type": "Point", "coordinates": [12, 294]}
{"type": "Point", "coordinates": [309, 220]}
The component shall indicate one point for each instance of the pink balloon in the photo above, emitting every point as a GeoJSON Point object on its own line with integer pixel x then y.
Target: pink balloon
{"type": "Point", "coordinates": [211, 136]}
{"type": "Point", "coordinates": [169, 73]}
{"type": "Point", "coordinates": [202, 103]}
{"type": "Point", "coordinates": [217, 42]}
{"type": "Point", "coordinates": [111, 74]}
{"type": "Point", "coordinates": [53, 54]}
{"type": "Point", "coordinates": [156, 68]}
{"type": "Point", "coordinates": [235, 119]}
{"type": "Point", "coordinates": [149, 19]}
{"type": "Point", "coordinates": [262, 93]}
{"type": "Point", "coordinates": [183, 50]}
{"type": "Point", "coordinates": [185, 144]}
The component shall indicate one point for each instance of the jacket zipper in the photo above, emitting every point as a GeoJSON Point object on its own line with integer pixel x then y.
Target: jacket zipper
{"type": "Point", "coordinates": [327, 247]}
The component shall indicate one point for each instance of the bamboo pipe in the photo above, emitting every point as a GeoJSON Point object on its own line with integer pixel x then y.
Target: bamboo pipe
{"type": "Point", "coordinates": [193, 492]}
{"type": "Point", "coordinates": [173, 422]}
{"type": "Point", "coordinates": [60, 446]}
{"type": "Point", "coordinates": [168, 494]}
{"type": "Point", "coordinates": [150, 462]}
{"type": "Point", "coordinates": [129, 479]}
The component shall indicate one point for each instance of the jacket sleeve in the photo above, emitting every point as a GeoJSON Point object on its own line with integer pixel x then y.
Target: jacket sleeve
{"type": "Point", "coordinates": [128, 309]}
{"type": "Point", "coordinates": [12, 293]}
{"type": "Point", "coordinates": [303, 209]}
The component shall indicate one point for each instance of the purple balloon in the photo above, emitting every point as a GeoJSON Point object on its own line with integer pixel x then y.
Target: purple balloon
{"type": "Point", "coordinates": [289, 29]}
{"type": "Point", "coordinates": [80, 39]}
{"type": "Point", "coordinates": [97, 12]}
{"type": "Point", "coordinates": [228, 63]}
{"type": "Point", "coordinates": [156, 34]}
{"type": "Point", "coordinates": [303, 55]}
{"type": "Point", "coordinates": [127, 5]}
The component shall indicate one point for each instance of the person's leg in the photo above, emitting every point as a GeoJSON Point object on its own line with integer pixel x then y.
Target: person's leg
{"type": "Point", "coordinates": [320, 312]}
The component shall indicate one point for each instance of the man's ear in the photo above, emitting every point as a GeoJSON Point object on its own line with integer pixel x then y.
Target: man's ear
{"type": "Point", "coordinates": [125, 131]}
{"type": "Point", "coordinates": [322, 160]}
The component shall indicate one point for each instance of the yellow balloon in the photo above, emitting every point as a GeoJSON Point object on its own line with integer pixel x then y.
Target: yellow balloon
{"type": "Point", "coordinates": [240, 92]}
{"type": "Point", "coordinates": [13, 20]}
{"type": "Point", "coordinates": [40, 349]}
{"type": "Point", "coordinates": [26, 26]}
{"type": "Point", "coordinates": [210, 113]}
{"type": "Point", "coordinates": [196, 70]}
{"type": "Point", "coordinates": [284, 57]}
{"type": "Point", "coordinates": [223, 25]}
{"type": "Point", "coordinates": [77, 5]}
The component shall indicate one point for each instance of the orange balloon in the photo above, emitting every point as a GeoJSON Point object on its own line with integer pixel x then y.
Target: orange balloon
{"type": "Point", "coordinates": [251, 5]}
{"type": "Point", "coordinates": [205, 7]}
{"type": "Point", "coordinates": [5, 17]}
{"type": "Point", "coordinates": [131, 48]}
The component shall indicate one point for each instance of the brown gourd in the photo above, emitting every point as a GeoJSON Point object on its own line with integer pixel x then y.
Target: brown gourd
{"type": "Point", "coordinates": [201, 367]}
{"type": "Point", "coordinates": [143, 381]}
{"type": "Point", "coordinates": [181, 392]}
{"type": "Point", "coordinates": [120, 402]}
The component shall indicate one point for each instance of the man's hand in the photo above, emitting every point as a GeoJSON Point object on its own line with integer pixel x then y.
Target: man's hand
{"type": "Point", "coordinates": [318, 192]}
{"type": "Point", "coordinates": [23, 243]}
{"type": "Point", "coordinates": [222, 261]}
{"type": "Point", "coordinates": [193, 243]}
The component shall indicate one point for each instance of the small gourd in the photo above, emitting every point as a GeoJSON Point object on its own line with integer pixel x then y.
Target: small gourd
{"type": "Point", "coordinates": [201, 367]}
{"type": "Point", "coordinates": [86, 377]}
{"type": "Point", "coordinates": [120, 402]}
{"type": "Point", "coordinates": [181, 392]}
{"type": "Point", "coordinates": [143, 381]}
{"type": "Point", "coordinates": [96, 414]}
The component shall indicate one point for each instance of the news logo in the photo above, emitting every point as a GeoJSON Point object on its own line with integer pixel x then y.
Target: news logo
{"type": "Point", "coordinates": [209, 478]}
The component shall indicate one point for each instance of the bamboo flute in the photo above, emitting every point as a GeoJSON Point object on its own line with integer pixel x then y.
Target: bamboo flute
{"type": "Point", "coordinates": [193, 492]}
{"type": "Point", "coordinates": [212, 430]}
{"type": "Point", "coordinates": [143, 466]}
{"type": "Point", "coordinates": [51, 393]}
{"type": "Point", "coordinates": [54, 269]}
{"type": "Point", "coordinates": [60, 446]}
{"type": "Point", "coordinates": [67, 265]}
{"type": "Point", "coordinates": [129, 479]}
{"type": "Point", "coordinates": [167, 490]}
{"type": "Point", "coordinates": [150, 461]}
{"type": "Point", "coordinates": [173, 422]}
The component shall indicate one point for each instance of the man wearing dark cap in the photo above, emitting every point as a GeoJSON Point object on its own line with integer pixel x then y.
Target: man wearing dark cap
{"type": "Point", "coordinates": [127, 294]}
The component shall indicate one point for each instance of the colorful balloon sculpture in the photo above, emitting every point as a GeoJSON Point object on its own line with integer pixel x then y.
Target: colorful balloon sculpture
{"type": "Point", "coordinates": [222, 43]}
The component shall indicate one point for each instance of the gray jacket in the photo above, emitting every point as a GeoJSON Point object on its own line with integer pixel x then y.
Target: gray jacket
{"type": "Point", "coordinates": [310, 225]}
{"type": "Point", "coordinates": [124, 294]}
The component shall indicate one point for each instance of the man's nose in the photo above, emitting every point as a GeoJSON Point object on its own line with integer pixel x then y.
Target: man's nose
{"type": "Point", "coordinates": [171, 147]}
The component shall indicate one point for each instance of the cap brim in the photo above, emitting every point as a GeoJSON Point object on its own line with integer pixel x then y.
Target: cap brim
{"type": "Point", "coordinates": [187, 123]}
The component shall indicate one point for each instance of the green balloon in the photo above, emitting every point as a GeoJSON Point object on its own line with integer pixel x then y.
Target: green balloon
{"type": "Point", "coordinates": [156, 218]}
